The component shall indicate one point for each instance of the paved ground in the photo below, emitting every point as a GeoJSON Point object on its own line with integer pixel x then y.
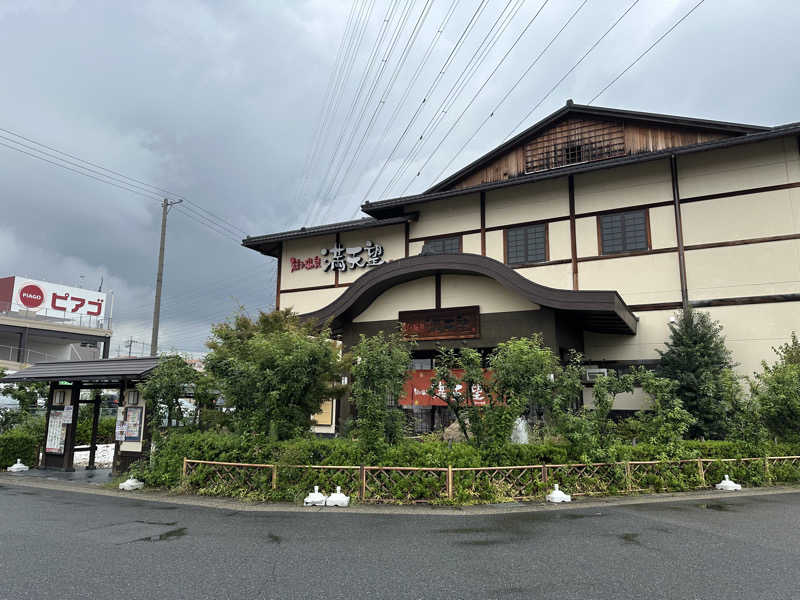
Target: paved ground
{"type": "Point", "coordinates": [67, 544]}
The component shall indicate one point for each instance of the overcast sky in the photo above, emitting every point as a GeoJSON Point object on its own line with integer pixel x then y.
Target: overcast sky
{"type": "Point", "coordinates": [220, 102]}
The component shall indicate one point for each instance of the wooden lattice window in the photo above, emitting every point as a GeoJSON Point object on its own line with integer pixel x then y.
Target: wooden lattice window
{"type": "Point", "coordinates": [623, 232]}
{"type": "Point", "coordinates": [574, 141]}
{"type": "Point", "coordinates": [448, 245]}
{"type": "Point", "coordinates": [525, 245]}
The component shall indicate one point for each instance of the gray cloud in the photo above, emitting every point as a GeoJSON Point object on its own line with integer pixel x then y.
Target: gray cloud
{"type": "Point", "coordinates": [219, 102]}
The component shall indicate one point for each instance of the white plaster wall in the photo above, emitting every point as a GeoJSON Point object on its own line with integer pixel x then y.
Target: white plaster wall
{"type": "Point", "coordinates": [747, 270]}
{"type": "Point", "coordinates": [555, 276]}
{"type": "Point", "coordinates": [392, 238]}
{"type": "Point", "coordinates": [415, 248]}
{"type": "Point", "coordinates": [494, 245]}
{"type": "Point", "coordinates": [304, 248]}
{"type": "Point", "coordinates": [560, 242]}
{"type": "Point", "coordinates": [586, 236]}
{"type": "Point", "coordinates": [737, 168]}
{"type": "Point", "coordinates": [638, 279]}
{"type": "Point", "coordinates": [652, 332]}
{"type": "Point", "coordinates": [445, 216]}
{"type": "Point", "coordinates": [418, 294]}
{"type": "Point", "coordinates": [532, 202]}
{"type": "Point", "coordinates": [751, 331]}
{"type": "Point", "coordinates": [471, 290]}
{"type": "Point", "coordinates": [471, 244]}
{"type": "Point", "coordinates": [644, 183]}
{"type": "Point", "coordinates": [662, 227]}
{"type": "Point", "coordinates": [741, 217]}
{"type": "Point", "coordinates": [305, 302]}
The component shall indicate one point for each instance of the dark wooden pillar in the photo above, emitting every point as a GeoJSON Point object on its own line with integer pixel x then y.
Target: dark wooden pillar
{"type": "Point", "coordinates": [117, 460]}
{"type": "Point", "coordinates": [49, 407]}
{"type": "Point", "coordinates": [676, 198]}
{"type": "Point", "coordinates": [23, 345]}
{"type": "Point", "coordinates": [572, 232]}
{"type": "Point", "coordinates": [95, 422]}
{"type": "Point", "coordinates": [69, 440]}
{"type": "Point", "coordinates": [106, 347]}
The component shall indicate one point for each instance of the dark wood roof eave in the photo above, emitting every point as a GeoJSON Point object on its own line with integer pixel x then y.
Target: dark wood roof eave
{"type": "Point", "coordinates": [392, 206]}
{"type": "Point", "coordinates": [602, 311]}
{"type": "Point", "coordinates": [598, 112]}
{"type": "Point", "coordinates": [270, 244]}
{"type": "Point", "coordinates": [111, 370]}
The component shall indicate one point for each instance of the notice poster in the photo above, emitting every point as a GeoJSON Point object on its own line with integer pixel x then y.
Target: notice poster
{"type": "Point", "coordinates": [119, 427]}
{"type": "Point", "coordinates": [55, 433]}
{"type": "Point", "coordinates": [66, 415]}
{"type": "Point", "coordinates": [133, 424]}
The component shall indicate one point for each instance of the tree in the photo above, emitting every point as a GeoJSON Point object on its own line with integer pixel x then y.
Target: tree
{"type": "Point", "coordinates": [26, 394]}
{"type": "Point", "coordinates": [777, 391]}
{"type": "Point", "coordinates": [697, 359]}
{"type": "Point", "coordinates": [524, 374]}
{"type": "Point", "coordinates": [666, 423]}
{"type": "Point", "coordinates": [274, 372]}
{"type": "Point", "coordinates": [163, 388]}
{"type": "Point", "coordinates": [379, 371]}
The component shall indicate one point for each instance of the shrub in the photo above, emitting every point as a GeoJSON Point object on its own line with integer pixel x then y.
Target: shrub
{"type": "Point", "coordinates": [18, 444]}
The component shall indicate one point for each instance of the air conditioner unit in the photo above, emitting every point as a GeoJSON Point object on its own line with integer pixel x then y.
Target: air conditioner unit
{"type": "Point", "coordinates": [594, 373]}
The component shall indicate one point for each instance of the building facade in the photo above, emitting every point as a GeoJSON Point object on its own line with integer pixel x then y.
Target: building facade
{"type": "Point", "coordinates": [593, 227]}
{"type": "Point", "coordinates": [43, 321]}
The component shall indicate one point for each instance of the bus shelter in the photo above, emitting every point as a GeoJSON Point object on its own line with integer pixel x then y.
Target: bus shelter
{"type": "Point", "coordinates": [67, 379]}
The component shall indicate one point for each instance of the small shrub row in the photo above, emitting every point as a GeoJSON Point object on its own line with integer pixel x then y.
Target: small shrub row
{"type": "Point", "coordinates": [18, 444]}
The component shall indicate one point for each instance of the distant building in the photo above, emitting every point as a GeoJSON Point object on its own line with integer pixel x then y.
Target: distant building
{"type": "Point", "coordinates": [592, 227]}
{"type": "Point", "coordinates": [42, 321]}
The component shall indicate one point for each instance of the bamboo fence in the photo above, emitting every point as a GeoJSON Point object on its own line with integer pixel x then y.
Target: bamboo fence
{"type": "Point", "coordinates": [378, 484]}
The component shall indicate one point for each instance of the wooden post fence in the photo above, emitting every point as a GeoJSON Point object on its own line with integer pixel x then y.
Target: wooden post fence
{"type": "Point", "coordinates": [274, 477]}
{"type": "Point", "coordinates": [628, 480]}
{"type": "Point", "coordinates": [362, 494]}
{"type": "Point", "coordinates": [701, 472]}
{"type": "Point", "coordinates": [449, 482]}
{"type": "Point", "coordinates": [183, 474]}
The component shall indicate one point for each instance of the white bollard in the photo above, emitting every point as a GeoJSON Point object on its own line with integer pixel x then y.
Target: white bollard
{"type": "Point", "coordinates": [18, 467]}
{"type": "Point", "coordinates": [728, 486]}
{"type": "Point", "coordinates": [315, 498]}
{"type": "Point", "coordinates": [337, 499]}
{"type": "Point", "coordinates": [558, 496]}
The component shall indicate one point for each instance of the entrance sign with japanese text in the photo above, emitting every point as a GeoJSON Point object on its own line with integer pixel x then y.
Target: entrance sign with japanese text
{"type": "Point", "coordinates": [341, 258]}
{"type": "Point", "coordinates": [441, 324]}
{"type": "Point", "coordinates": [53, 300]}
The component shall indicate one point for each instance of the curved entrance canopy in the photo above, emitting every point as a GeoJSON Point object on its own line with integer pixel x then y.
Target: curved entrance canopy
{"type": "Point", "coordinates": [598, 311]}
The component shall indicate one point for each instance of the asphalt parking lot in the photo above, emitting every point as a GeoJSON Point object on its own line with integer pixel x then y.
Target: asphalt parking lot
{"type": "Point", "coordinates": [66, 544]}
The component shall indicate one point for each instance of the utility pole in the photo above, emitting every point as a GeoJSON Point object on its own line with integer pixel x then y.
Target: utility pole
{"type": "Point", "coordinates": [160, 277]}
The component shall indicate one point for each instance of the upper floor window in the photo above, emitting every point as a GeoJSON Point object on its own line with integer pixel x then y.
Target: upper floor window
{"type": "Point", "coordinates": [623, 232]}
{"type": "Point", "coordinates": [448, 245]}
{"type": "Point", "coordinates": [526, 244]}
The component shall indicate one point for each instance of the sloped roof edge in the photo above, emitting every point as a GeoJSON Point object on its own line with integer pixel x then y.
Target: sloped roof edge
{"type": "Point", "coordinates": [601, 310]}
{"type": "Point", "coordinates": [392, 204]}
{"type": "Point", "coordinates": [595, 111]}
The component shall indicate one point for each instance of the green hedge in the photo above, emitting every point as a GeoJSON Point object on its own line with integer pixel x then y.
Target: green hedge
{"type": "Point", "coordinates": [18, 444]}
{"type": "Point", "coordinates": [167, 462]}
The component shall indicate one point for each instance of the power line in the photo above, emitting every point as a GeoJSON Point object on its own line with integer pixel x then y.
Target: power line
{"type": "Point", "coordinates": [382, 101]}
{"type": "Point", "coordinates": [348, 120]}
{"type": "Point", "coordinates": [643, 54]}
{"type": "Point", "coordinates": [392, 43]}
{"type": "Point", "coordinates": [332, 92]}
{"type": "Point", "coordinates": [120, 182]}
{"type": "Point", "coordinates": [437, 36]}
{"type": "Point", "coordinates": [489, 40]}
{"type": "Point", "coordinates": [572, 68]}
{"type": "Point", "coordinates": [483, 85]}
{"type": "Point", "coordinates": [113, 172]}
{"type": "Point", "coordinates": [507, 94]}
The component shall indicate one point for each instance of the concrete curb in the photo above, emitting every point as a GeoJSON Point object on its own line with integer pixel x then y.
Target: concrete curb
{"type": "Point", "coordinates": [383, 509]}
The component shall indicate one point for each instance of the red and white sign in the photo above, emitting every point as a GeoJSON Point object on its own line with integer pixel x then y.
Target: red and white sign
{"type": "Point", "coordinates": [52, 299]}
{"type": "Point", "coordinates": [415, 390]}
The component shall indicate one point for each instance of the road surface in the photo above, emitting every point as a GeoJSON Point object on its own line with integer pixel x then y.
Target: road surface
{"type": "Point", "coordinates": [65, 545]}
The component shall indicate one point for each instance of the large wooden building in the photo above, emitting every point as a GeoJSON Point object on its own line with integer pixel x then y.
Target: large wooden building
{"type": "Point", "coordinates": [592, 227]}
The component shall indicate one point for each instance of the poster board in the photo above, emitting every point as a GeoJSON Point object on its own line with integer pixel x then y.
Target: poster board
{"type": "Point", "coordinates": [56, 432]}
{"type": "Point", "coordinates": [129, 428]}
